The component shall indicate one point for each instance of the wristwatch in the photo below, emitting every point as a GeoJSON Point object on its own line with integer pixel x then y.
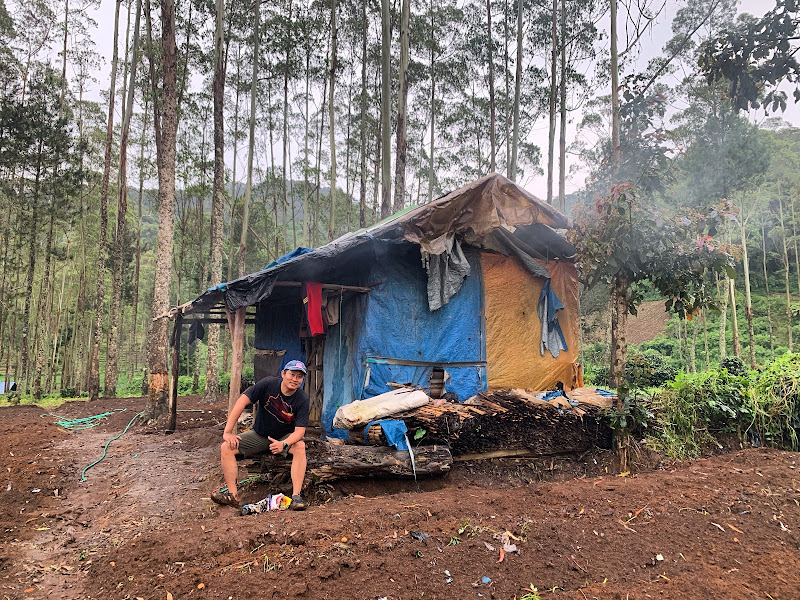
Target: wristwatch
{"type": "Point", "coordinates": [286, 446]}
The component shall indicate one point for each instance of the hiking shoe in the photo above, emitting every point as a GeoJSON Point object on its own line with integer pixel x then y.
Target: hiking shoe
{"type": "Point", "coordinates": [297, 503]}
{"type": "Point", "coordinates": [225, 498]}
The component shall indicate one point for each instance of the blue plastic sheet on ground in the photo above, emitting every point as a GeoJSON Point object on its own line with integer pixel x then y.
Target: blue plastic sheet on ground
{"type": "Point", "coordinates": [394, 431]}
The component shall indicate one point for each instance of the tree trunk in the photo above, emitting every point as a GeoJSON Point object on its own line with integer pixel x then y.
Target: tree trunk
{"type": "Point", "coordinates": [492, 141]}
{"type": "Point", "coordinates": [512, 168]}
{"type": "Point", "coordinates": [362, 192]}
{"type": "Point", "coordinates": [165, 150]}
{"type": "Point", "coordinates": [766, 285]}
{"type": "Point", "coordinates": [551, 133]}
{"type": "Point", "coordinates": [286, 143]}
{"type": "Point", "coordinates": [44, 301]}
{"type": "Point", "coordinates": [787, 268]}
{"type": "Point", "coordinates": [705, 341]}
{"type": "Point", "coordinates": [615, 117]}
{"type": "Point", "coordinates": [134, 346]}
{"type": "Point", "coordinates": [737, 347]}
{"type": "Point", "coordinates": [431, 171]}
{"type": "Point", "coordinates": [251, 145]}
{"type": "Point", "coordinates": [619, 321]}
{"type": "Point", "coordinates": [218, 200]}
{"type": "Point", "coordinates": [386, 157]}
{"type": "Point", "coordinates": [748, 304]}
{"type": "Point", "coordinates": [723, 316]}
{"type": "Point", "coordinates": [331, 126]}
{"type": "Point", "coordinates": [402, 100]}
{"type": "Point", "coordinates": [94, 368]}
{"type": "Point", "coordinates": [562, 138]}
{"type": "Point", "coordinates": [306, 163]}
{"type": "Point", "coordinates": [112, 352]}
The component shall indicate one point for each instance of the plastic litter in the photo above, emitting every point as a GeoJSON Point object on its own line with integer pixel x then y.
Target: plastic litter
{"type": "Point", "coordinates": [271, 502]}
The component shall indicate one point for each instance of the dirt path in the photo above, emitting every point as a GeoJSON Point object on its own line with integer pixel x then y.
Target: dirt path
{"type": "Point", "coordinates": [142, 525]}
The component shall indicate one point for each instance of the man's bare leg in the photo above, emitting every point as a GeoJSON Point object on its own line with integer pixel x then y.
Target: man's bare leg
{"type": "Point", "coordinates": [299, 463]}
{"type": "Point", "coordinates": [230, 470]}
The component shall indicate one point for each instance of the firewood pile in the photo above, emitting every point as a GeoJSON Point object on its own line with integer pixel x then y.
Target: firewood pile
{"type": "Point", "coordinates": [515, 420]}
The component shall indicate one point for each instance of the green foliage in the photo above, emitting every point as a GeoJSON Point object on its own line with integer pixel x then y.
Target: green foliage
{"type": "Point", "coordinates": [755, 54]}
{"type": "Point", "coordinates": [688, 409]}
{"type": "Point", "coordinates": [733, 365]}
{"type": "Point", "coordinates": [620, 240]}
{"type": "Point", "coordinates": [648, 370]}
{"type": "Point", "coordinates": [777, 402]}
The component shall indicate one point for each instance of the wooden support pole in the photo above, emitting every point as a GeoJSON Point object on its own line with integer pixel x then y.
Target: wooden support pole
{"type": "Point", "coordinates": [236, 323]}
{"type": "Point", "coordinates": [173, 387]}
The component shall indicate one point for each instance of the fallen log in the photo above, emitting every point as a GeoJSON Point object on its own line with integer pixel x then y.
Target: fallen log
{"type": "Point", "coordinates": [327, 462]}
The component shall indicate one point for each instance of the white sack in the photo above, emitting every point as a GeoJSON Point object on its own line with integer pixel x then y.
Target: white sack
{"type": "Point", "coordinates": [362, 412]}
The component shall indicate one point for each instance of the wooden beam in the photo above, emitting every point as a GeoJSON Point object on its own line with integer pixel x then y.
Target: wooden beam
{"type": "Point", "coordinates": [335, 287]}
{"type": "Point", "coordinates": [173, 387]}
{"type": "Point", "coordinates": [494, 454]}
{"type": "Point", "coordinates": [236, 323]}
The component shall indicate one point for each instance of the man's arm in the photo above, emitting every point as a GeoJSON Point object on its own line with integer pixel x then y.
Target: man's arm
{"type": "Point", "coordinates": [277, 445]}
{"type": "Point", "coordinates": [233, 416]}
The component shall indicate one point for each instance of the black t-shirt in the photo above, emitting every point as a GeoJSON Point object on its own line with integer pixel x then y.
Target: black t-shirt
{"type": "Point", "coordinates": [277, 415]}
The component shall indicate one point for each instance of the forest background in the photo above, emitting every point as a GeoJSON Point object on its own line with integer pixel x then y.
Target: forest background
{"type": "Point", "coordinates": [230, 133]}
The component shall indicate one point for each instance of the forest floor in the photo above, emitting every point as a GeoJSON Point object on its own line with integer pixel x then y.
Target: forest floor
{"type": "Point", "coordinates": [142, 524]}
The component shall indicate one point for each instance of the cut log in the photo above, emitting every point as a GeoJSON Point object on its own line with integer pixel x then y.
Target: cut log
{"type": "Point", "coordinates": [327, 462]}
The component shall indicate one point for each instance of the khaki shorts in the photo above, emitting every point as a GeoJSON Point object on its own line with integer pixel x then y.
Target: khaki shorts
{"type": "Point", "coordinates": [251, 443]}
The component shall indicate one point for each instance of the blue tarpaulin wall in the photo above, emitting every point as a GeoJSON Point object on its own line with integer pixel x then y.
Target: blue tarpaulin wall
{"type": "Point", "coordinates": [279, 329]}
{"type": "Point", "coordinates": [393, 322]}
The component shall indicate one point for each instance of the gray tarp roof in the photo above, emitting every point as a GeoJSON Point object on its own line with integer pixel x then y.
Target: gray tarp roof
{"type": "Point", "coordinates": [471, 212]}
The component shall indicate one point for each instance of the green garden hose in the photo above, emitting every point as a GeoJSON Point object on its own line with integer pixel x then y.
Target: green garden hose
{"type": "Point", "coordinates": [83, 473]}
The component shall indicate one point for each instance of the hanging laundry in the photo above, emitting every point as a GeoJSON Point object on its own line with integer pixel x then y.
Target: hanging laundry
{"type": "Point", "coordinates": [312, 305]}
{"type": "Point", "coordinates": [552, 336]}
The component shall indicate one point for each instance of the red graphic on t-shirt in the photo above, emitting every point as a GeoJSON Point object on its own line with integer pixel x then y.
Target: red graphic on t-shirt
{"type": "Point", "coordinates": [278, 408]}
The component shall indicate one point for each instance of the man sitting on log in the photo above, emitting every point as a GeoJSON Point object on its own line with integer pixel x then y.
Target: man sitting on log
{"type": "Point", "coordinates": [280, 424]}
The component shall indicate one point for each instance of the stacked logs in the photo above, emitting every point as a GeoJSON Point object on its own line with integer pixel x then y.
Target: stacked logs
{"type": "Point", "coordinates": [511, 420]}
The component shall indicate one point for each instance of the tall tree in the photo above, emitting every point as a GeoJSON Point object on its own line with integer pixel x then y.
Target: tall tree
{"type": "Point", "coordinates": [112, 354]}
{"type": "Point", "coordinates": [218, 198]}
{"type": "Point", "coordinates": [402, 101]}
{"type": "Point", "coordinates": [166, 126]}
{"type": "Point", "coordinates": [386, 134]}
{"type": "Point", "coordinates": [94, 369]}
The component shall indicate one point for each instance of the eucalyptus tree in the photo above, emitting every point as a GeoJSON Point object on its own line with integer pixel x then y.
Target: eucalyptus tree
{"type": "Point", "coordinates": [165, 126]}
{"type": "Point", "coordinates": [218, 198]}
{"type": "Point", "coordinates": [94, 367]}
{"type": "Point", "coordinates": [112, 352]}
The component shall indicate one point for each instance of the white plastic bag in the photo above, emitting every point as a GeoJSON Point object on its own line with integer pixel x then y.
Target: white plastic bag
{"type": "Point", "coordinates": [362, 412]}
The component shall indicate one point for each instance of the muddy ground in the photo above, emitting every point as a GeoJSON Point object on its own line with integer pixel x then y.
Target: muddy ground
{"type": "Point", "coordinates": [142, 524]}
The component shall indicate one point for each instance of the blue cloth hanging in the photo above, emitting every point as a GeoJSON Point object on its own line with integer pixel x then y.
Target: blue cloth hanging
{"type": "Point", "coordinates": [552, 336]}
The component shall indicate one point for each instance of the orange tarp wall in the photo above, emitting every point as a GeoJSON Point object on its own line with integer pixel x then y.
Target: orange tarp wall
{"type": "Point", "coordinates": [513, 329]}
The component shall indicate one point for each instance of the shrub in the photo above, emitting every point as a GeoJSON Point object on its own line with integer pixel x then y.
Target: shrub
{"type": "Point", "coordinates": [734, 365]}
{"type": "Point", "coordinates": [688, 409]}
{"type": "Point", "coordinates": [648, 370]}
{"type": "Point", "coordinates": [777, 402]}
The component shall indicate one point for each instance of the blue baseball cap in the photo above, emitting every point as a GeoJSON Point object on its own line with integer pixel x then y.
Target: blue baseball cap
{"type": "Point", "coordinates": [295, 365]}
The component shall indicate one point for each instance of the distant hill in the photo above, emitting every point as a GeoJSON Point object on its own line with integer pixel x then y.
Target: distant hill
{"type": "Point", "coordinates": [650, 321]}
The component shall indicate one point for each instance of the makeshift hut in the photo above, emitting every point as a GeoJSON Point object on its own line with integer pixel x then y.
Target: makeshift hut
{"type": "Point", "coordinates": [472, 292]}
